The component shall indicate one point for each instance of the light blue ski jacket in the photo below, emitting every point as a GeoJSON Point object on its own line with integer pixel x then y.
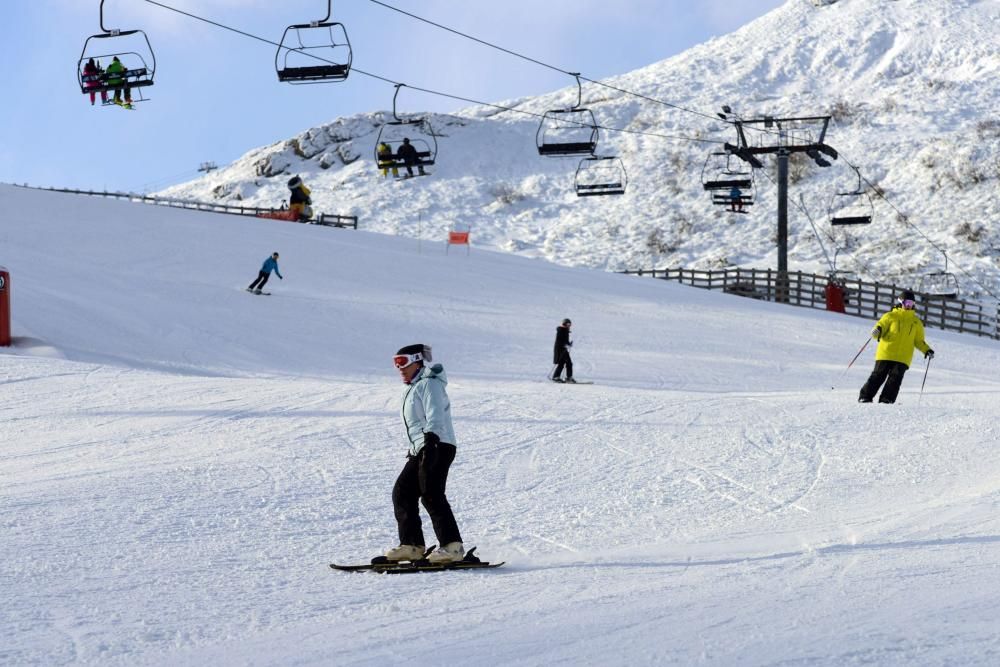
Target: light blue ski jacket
{"type": "Point", "coordinates": [426, 408]}
{"type": "Point", "coordinates": [271, 264]}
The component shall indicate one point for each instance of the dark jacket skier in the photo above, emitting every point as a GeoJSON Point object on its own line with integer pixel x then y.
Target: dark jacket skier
{"type": "Point", "coordinates": [898, 332]}
{"type": "Point", "coordinates": [560, 353]}
{"type": "Point", "coordinates": [426, 415]}
{"type": "Point", "coordinates": [408, 154]}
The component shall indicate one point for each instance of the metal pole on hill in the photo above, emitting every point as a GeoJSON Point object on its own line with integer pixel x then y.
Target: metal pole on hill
{"type": "Point", "coordinates": [794, 135]}
{"type": "Point", "coordinates": [926, 368]}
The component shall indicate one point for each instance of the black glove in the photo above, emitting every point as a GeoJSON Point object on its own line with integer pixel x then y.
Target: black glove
{"type": "Point", "coordinates": [877, 333]}
{"type": "Point", "coordinates": [431, 439]}
{"type": "Point", "coordinates": [929, 354]}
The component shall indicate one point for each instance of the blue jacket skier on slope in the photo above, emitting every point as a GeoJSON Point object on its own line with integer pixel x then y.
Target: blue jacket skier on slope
{"type": "Point", "coordinates": [270, 264]}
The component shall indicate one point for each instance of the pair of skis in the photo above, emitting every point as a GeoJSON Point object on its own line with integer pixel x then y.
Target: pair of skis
{"type": "Point", "coordinates": [383, 565]}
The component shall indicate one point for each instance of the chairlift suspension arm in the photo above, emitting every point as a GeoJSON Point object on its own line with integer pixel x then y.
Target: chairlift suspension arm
{"type": "Point", "coordinates": [394, 96]}
{"type": "Point", "coordinates": [329, 12]}
{"type": "Point", "coordinates": [579, 90]}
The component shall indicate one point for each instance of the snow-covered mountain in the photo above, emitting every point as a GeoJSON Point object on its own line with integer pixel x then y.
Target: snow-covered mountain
{"type": "Point", "coordinates": [912, 86]}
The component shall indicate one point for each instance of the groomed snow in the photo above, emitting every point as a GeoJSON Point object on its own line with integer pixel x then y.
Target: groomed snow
{"type": "Point", "coordinates": [182, 460]}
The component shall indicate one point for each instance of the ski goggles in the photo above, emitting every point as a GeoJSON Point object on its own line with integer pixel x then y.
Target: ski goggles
{"type": "Point", "coordinates": [908, 304]}
{"type": "Point", "coordinates": [404, 360]}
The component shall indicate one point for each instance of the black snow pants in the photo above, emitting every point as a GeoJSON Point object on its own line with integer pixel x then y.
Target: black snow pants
{"type": "Point", "coordinates": [261, 280]}
{"type": "Point", "coordinates": [423, 478]}
{"type": "Point", "coordinates": [889, 372]}
{"type": "Point", "coordinates": [563, 359]}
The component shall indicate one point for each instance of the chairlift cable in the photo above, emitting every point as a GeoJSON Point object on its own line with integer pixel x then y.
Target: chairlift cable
{"type": "Point", "coordinates": [544, 64]}
{"type": "Point", "coordinates": [430, 91]}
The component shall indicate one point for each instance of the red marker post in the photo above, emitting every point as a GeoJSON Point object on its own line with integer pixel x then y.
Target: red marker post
{"type": "Point", "coordinates": [4, 307]}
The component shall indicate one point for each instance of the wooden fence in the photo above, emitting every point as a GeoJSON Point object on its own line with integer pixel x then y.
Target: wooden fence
{"type": "Point", "coordinates": [862, 299]}
{"type": "Point", "coordinates": [325, 219]}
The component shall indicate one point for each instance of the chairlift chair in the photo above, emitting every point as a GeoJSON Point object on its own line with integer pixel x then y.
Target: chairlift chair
{"type": "Point", "coordinates": [136, 54]}
{"type": "Point", "coordinates": [315, 52]}
{"type": "Point", "coordinates": [739, 194]}
{"type": "Point", "coordinates": [721, 173]}
{"type": "Point", "coordinates": [568, 132]}
{"type": "Point", "coordinates": [600, 175]}
{"type": "Point", "coordinates": [852, 208]}
{"type": "Point", "coordinates": [418, 130]}
{"type": "Point", "coordinates": [939, 285]}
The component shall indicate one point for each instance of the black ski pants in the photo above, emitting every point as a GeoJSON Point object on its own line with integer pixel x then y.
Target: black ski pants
{"type": "Point", "coordinates": [889, 372]}
{"type": "Point", "coordinates": [423, 479]}
{"type": "Point", "coordinates": [261, 280]}
{"type": "Point", "coordinates": [563, 360]}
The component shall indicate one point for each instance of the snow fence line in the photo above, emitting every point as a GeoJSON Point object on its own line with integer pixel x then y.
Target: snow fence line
{"type": "Point", "coordinates": [324, 219]}
{"type": "Point", "coordinates": [869, 300]}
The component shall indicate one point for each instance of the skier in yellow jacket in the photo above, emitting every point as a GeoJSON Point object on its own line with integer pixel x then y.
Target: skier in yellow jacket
{"type": "Point", "coordinates": [898, 332]}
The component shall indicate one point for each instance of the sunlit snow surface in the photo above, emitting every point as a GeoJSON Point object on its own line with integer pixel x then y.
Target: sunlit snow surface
{"type": "Point", "coordinates": [181, 460]}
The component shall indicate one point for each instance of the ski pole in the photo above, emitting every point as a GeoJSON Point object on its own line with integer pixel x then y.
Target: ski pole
{"type": "Point", "coordinates": [926, 368]}
{"type": "Point", "coordinates": [852, 362]}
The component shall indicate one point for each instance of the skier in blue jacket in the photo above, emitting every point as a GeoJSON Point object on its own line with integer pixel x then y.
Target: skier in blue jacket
{"type": "Point", "coordinates": [427, 419]}
{"type": "Point", "coordinates": [270, 264]}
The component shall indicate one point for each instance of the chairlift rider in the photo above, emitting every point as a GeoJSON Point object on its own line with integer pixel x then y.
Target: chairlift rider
{"type": "Point", "coordinates": [408, 154]}
{"type": "Point", "coordinates": [736, 200]}
{"type": "Point", "coordinates": [385, 160]}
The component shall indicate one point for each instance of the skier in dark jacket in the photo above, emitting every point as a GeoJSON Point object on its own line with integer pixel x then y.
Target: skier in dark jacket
{"type": "Point", "coordinates": [560, 353]}
{"type": "Point", "coordinates": [270, 264]}
{"type": "Point", "coordinates": [898, 332]}
{"type": "Point", "coordinates": [408, 154]}
{"type": "Point", "coordinates": [427, 419]}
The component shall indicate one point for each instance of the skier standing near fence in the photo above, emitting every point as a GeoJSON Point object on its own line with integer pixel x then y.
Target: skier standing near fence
{"type": "Point", "coordinates": [898, 333]}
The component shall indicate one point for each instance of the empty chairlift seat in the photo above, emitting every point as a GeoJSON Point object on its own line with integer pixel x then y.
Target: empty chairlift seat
{"type": "Point", "coordinates": [597, 176]}
{"type": "Point", "coordinates": [315, 52]}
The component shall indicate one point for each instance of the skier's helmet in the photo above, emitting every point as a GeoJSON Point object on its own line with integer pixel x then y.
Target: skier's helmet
{"type": "Point", "coordinates": [410, 353]}
{"type": "Point", "coordinates": [294, 182]}
{"type": "Point", "coordinates": [907, 299]}
{"type": "Point", "coordinates": [567, 322]}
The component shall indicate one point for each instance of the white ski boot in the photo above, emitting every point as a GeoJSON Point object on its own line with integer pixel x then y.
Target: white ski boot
{"type": "Point", "coordinates": [449, 553]}
{"type": "Point", "coordinates": [405, 552]}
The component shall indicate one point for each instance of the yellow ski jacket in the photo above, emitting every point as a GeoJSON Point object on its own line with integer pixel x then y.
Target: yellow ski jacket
{"type": "Point", "coordinates": [902, 331]}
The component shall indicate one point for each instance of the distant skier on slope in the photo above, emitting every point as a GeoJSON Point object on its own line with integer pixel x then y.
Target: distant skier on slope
{"type": "Point", "coordinates": [560, 353]}
{"type": "Point", "coordinates": [898, 332]}
{"type": "Point", "coordinates": [270, 264]}
{"type": "Point", "coordinates": [301, 201]}
{"type": "Point", "coordinates": [427, 419]}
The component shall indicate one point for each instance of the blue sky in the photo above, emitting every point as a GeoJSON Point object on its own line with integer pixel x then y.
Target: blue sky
{"type": "Point", "coordinates": [217, 96]}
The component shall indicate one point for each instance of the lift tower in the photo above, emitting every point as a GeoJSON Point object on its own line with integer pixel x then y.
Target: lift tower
{"type": "Point", "coordinates": [782, 137]}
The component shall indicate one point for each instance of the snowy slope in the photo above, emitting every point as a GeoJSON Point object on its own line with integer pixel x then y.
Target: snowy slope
{"type": "Point", "coordinates": [181, 459]}
{"type": "Point", "coordinates": [913, 87]}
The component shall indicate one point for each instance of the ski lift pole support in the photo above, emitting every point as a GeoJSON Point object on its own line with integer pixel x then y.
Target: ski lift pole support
{"type": "Point", "coordinates": [394, 96]}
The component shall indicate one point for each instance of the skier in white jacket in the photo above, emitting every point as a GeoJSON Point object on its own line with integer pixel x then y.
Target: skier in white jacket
{"type": "Point", "coordinates": [427, 418]}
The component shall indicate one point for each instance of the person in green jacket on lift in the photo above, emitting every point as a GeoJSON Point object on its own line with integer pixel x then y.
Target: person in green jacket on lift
{"type": "Point", "coordinates": [116, 67]}
{"type": "Point", "coordinates": [898, 333]}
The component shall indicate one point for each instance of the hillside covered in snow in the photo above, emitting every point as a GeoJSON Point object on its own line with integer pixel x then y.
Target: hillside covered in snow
{"type": "Point", "coordinates": [912, 87]}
